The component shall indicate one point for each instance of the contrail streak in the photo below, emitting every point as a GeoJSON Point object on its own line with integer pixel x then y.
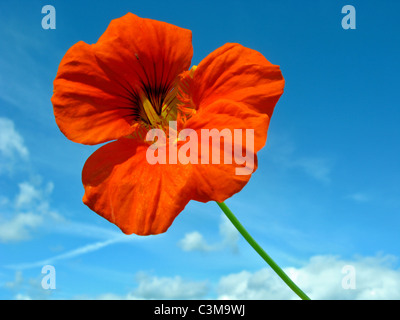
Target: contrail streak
{"type": "Point", "coordinates": [68, 255]}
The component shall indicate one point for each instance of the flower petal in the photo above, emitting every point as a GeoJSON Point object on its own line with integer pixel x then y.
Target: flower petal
{"type": "Point", "coordinates": [149, 52]}
{"type": "Point", "coordinates": [97, 86]}
{"type": "Point", "coordinates": [138, 197]}
{"type": "Point", "coordinates": [240, 74]}
{"type": "Point", "coordinates": [219, 181]}
{"type": "Point", "coordinates": [89, 107]}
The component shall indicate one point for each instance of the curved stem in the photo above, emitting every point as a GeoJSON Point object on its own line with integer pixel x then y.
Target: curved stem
{"type": "Point", "coordinates": [261, 251]}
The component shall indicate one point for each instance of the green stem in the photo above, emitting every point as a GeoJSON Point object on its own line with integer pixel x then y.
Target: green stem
{"type": "Point", "coordinates": [261, 251]}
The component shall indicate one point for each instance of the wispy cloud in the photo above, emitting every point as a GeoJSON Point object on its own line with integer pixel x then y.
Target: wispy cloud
{"type": "Point", "coordinates": [316, 167]}
{"type": "Point", "coordinates": [358, 197]}
{"type": "Point", "coordinates": [67, 255]}
{"type": "Point", "coordinates": [283, 152]}
{"type": "Point", "coordinates": [85, 230]}
{"type": "Point", "coordinates": [12, 146]}
{"type": "Point", "coordinates": [25, 76]}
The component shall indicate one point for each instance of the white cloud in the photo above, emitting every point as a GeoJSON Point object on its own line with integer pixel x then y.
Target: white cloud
{"type": "Point", "coordinates": [252, 286]}
{"type": "Point", "coordinates": [27, 288]}
{"type": "Point", "coordinates": [21, 296]}
{"type": "Point", "coordinates": [18, 280]}
{"type": "Point", "coordinates": [322, 278]}
{"type": "Point", "coordinates": [195, 241]}
{"type": "Point", "coordinates": [153, 287]}
{"type": "Point", "coordinates": [18, 228]}
{"type": "Point", "coordinates": [109, 296]}
{"type": "Point", "coordinates": [30, 206]}
{"type": "Point", "coordinates": [27, 212]}
{"type": "Point", "coordinates": [12, 147]}
{"type": "Point", "coordinates": [24, 213]}
{"type": "Point", "coordinates": [11, 142]}
{"type": "Point", "coordinates": [27, 195]}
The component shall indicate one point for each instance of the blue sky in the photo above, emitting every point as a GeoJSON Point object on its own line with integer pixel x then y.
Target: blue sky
{"type": "Point", "coordinates": [325, 195]}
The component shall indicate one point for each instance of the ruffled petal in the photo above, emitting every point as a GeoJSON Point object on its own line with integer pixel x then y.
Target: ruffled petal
{"type": "Point", "coordinates": [239, 133]}
{"type": "Point", "coordinates": [239, 74]}
{"type": "Point", "coordinates": [98, 87]}
{"type": "Point", "coordinates": [144, 52]}
{"type": "Point", "coordinates": [123, 187]}
{"type": "Point", "coordinates": [89, 107]}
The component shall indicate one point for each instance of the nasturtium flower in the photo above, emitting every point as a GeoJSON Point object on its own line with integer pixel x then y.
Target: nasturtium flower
{"type": "Point", "coordinates": [138, 77]}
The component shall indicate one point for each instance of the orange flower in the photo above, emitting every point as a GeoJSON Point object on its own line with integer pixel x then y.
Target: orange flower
{"type": "Point", "coordinates": [137, 78]}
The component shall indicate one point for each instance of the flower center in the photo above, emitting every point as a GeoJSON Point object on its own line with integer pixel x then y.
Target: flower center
{"type": "Point", "coordinates": [157, 111]}
{"type": "Point", "coordinates": [157, 106]}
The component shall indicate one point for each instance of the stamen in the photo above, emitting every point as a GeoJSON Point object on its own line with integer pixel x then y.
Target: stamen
{"type": "Point", "coordinates": [156, 104]}
{"type": "Point", "coordinates": [186, 107]}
